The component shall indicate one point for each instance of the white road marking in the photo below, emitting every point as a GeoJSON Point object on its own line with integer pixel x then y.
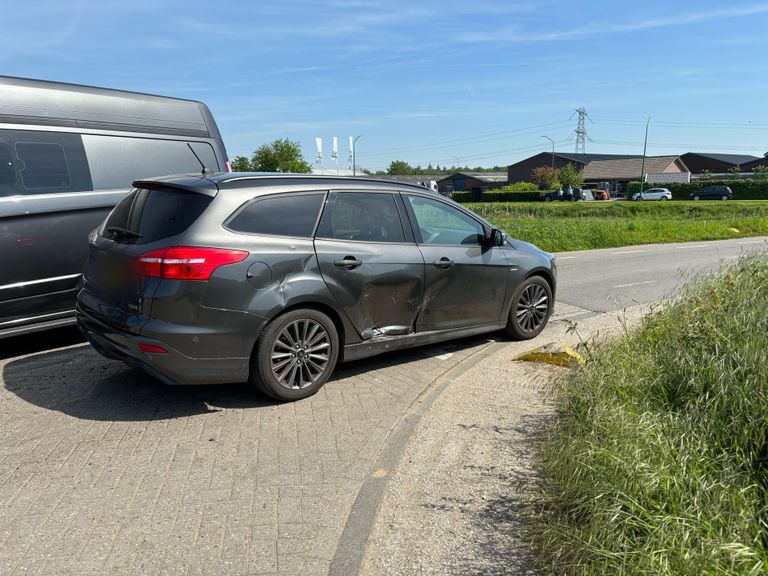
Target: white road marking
{"type": "Point", "coordinates": [444, 356]}
{"type": "Point", "coordinates": [564, 258]}
{"type": "Point", "coordinates": [689, 247]}
{"type": "Point", "coordinates": [626, 252]}
{"type": "Point", "coordinates": [753, 242]}
{"type": "Point", "coordinates": [634, 284]}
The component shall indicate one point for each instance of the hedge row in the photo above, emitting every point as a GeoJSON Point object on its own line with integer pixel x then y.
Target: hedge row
{"type": "Point", "coordinates": [498, 196]}
{"type": "Point", "coordinates": [742, 189]}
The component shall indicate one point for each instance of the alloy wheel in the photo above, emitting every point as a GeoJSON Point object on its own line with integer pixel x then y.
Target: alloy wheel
{"type": "Point", "coordinates": [300, 354]}
{"type": "Point", "coordinates": [532, 307]}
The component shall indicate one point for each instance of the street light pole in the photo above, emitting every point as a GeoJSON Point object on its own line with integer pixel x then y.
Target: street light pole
{"type": "Point", "coordinates": [553, 150]}
{"type": "Point", "coordinates": [354, 142]}
{"type": "Point", "coordinates": [642, 165]}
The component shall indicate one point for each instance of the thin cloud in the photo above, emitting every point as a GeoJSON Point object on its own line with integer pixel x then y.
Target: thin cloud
{"type": "Point", "coordinates": [517, 34]}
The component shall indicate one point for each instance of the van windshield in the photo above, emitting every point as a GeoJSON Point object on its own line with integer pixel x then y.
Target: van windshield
{"type": "Point", "coordinates": [146, 216]}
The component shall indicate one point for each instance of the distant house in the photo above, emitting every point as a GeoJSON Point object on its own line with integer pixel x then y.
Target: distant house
{"type": "Point", "coordinates": [523, 171]}
{"type": "Point", "coordinates": [750, 166]}
{"type": "Point", "coordinates": [475, 182]}
{"type": "Point", "coordinates": [620, 172]}
{"type": "Point", "coordinates": [699, 162]}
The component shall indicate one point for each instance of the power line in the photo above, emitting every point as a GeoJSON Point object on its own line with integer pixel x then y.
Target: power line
{"type": "Point", "coordinates": [468, 139]}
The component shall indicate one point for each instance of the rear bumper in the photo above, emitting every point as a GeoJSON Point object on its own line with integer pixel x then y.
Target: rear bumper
{"type": "Point", "coordinates": [172, 367]}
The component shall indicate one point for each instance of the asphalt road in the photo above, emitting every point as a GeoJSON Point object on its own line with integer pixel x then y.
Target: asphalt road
{"type": "Point", "coordinates": [616, 278]}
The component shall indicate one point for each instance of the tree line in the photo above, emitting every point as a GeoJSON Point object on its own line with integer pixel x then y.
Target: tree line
{"type": "Point", "coordinates": [284, 155]}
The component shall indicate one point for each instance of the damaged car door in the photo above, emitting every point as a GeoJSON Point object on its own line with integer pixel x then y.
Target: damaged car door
{"type": "Point", "coordinates": [370, 262]}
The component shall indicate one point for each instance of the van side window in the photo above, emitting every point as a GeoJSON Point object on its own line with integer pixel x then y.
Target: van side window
{"type": "Point", "coordinates": [7, 172]}
{"type": "Point", "coordinates": [33, 162]}
{"type": "Point", "coordinates": [43, 165]}
{"type": "Point", "coordinates": [116, 161]}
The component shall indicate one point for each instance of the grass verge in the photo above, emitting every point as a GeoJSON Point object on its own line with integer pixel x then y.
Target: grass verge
{"type": "Point", "coordinates": [658, 461]}
{"type": "Point", "coordinates": [558, 227]}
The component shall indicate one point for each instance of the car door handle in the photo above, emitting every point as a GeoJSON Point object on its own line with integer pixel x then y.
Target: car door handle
{"type": "Point", "coordinates": [443, 263]}
{"type": "Point", "coordinates": [348, 262]}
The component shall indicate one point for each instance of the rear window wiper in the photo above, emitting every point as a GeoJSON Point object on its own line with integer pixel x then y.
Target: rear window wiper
{"type": "Point", "coordinates": [117, 231]}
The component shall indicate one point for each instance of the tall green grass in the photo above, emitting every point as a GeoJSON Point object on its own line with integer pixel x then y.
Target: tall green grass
{"type": "Point", "coordinates": [658, 461]}
{"type": "Point", "coordinates": [558, 227]}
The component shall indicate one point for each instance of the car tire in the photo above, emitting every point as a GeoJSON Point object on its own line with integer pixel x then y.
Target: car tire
{"type": "Point", "coordinates": [528, 314]}
{"type": "Point", "coordinates": [547, 199]}
{"type": "Point", "coordinates": [697, 197]}
{"type": "Point", "coordinates": [724, 197]}
{"type": "Point", "coordinates": [281, 365]}
{"type": "Point", "coordinates": [663, 199]}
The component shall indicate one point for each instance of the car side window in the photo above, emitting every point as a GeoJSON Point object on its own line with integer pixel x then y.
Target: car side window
{"type": "Point", "coordinates": [281, 215]}
{"type": "Point", "coordinates": [361, 216]}
{"type": "Point", "coordinates": [440, 223]}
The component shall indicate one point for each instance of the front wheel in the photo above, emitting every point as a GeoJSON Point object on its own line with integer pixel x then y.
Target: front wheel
{"type": "Point", "coordinates": [530, 310]}
{"type": "Point", "coordinates": [696, 198]}
{"type": "Point", "coordinates": [724, 197]}
{"type": "Point", "coordinates": [295, 355]}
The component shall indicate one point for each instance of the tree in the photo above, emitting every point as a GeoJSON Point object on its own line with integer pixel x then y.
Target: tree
{"type": "Point", "coordinates": [545, 177]}
{"type": "Point", "coordinates": [760, 172]}
{"type": "Point", "coordinates": [570, 177]}
{"type": "Point", "coordinates": [282, 155]}
{"type": "Point", "coordinates": [400, 168]}
{"type": "Point", "coordinates": [241, 164]}
{"type": "Point", "coordinates": [735, 172]}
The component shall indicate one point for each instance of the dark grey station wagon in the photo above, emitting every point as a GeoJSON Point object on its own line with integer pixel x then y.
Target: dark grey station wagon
{"type": "Point", "coordinates": [273, 279]}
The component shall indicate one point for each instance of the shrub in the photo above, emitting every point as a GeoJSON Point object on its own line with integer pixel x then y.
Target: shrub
{"type": "Point", "coordinates": [502, 195]}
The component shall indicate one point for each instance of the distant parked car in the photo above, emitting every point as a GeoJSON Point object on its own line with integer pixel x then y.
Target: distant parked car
{"type": "Point", "coordinates": [563, 195]}
{"type": "Point", "coordinates": [653, 194]}
{"type": "Point", "coordinates": [600, 194]}
{"type": "Point", "coordinates": [718, 192]}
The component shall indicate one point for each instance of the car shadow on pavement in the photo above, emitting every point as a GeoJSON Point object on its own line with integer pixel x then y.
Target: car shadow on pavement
{"type": "Point", "coordinates": [79, 382]}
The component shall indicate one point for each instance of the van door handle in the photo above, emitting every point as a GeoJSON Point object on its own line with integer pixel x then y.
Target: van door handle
{"type": "Point", "coordinates": [348, 262]}
{"type": "Point", "coordinates": [443, 263]}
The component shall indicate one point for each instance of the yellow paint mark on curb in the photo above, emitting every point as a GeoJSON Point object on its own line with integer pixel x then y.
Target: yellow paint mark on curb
{"type": "Point", "coordinates": [380, 473]}
{"type": "Point", "coordinates": [555, 353]}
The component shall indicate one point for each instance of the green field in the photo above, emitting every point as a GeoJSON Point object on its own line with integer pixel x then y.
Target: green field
{"type": "Point", "coordinates": [559, 227]}
{"type": "Point", "coordinates": [658, 461]}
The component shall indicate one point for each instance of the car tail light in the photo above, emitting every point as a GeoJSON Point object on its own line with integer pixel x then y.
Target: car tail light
{"type": "Point", "coordinates": [186, 262]}
{"type": "Point", "coordinates": [152, 349]}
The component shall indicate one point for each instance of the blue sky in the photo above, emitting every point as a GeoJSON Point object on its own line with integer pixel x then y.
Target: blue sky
{"type": "Point", "coordinates": [444, 82]}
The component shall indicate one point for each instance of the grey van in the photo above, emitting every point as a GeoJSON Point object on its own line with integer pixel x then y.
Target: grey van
{"type": "Point", "coordinates": [68, 155]}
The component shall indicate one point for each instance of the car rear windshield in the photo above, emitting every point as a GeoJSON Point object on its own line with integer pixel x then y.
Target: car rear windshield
{"type": "Point", "coordinates": [146, 216]}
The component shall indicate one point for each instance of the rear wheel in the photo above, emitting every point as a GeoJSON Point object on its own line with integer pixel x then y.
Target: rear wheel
{"type": "Point", "coordinates": [724, 197]}
{"type": "Point", "coordinates": [295, 355]}
{"type": "Point", "coordinates": [663, 198]}
{"type": "Point", "coordinates": [697, 197]}
{"type": "Point", "coordinates": [530, 310]}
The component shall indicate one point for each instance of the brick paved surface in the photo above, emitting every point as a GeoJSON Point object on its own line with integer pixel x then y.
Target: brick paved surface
{"type": "Point", "coordinates": [103, 470]}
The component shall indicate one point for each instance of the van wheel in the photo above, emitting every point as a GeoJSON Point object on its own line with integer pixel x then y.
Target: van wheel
{"type": "Point", "coordinates": [295, 355]}
{"type": "Point", "coordinates": [530, 310]}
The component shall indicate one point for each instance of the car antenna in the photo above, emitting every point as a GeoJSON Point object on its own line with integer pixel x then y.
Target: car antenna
{"type": "Point", "coordinates": [205, 170]}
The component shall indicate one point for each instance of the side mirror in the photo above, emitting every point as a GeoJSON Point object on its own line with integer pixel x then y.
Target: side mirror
{"type": "Point", "coordinates": [497, 238]}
